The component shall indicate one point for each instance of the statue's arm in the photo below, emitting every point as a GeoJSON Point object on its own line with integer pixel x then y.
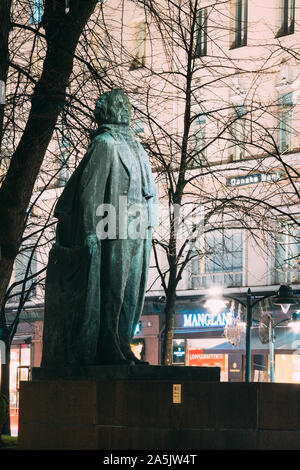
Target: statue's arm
{"type": "Point", "coordinates": [94, 182]}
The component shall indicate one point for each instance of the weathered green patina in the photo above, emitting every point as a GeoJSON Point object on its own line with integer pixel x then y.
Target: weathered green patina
{"type": "Point", "coordinates": [97, 270]}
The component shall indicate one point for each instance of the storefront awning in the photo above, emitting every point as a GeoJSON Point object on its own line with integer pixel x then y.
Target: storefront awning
{"type": "Point", "coordinates": [287, 341]}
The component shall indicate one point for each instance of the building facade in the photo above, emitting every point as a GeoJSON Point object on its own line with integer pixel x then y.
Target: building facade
{"type": "Point", "coordinates": [215, 90]}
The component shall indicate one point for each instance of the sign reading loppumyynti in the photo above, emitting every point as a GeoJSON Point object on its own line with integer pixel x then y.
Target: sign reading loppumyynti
{"type": "Point", "coordinates": [265, 177]}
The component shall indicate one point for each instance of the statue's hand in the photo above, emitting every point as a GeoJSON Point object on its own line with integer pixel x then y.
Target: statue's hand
{"type": "Point", "coordinates": [91, 240]}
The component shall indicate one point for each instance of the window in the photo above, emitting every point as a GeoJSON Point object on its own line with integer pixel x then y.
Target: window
{"type": "Point", "coordinates": [287, 17]}
{"type": "Point", "coordinates": [138, 126]}
{"type": "Point", "coordinates": [240, 15]}
{"type": "Point", "coordinates": [222, 263]}
{"type": "Point", "coordinates": [287, 254]}
{"type": "Point", "coordinates": [100, 59]}
{"type": "Point", "coordinates": [35, 11]}
{"type": "Point", "coordinates": [2, 92]}
{"type": "Point", "coordinates": [238, 133]}
{"type": "Point", "coordinates": [285, 122]}
{"type": "Point", "coordinates": [138, 45]}
{"type": "Point", "coordinates": [25, 267]}
{"type": "Point", "coordinates": [63, 159]}
{"type": "Point", "coordinates": [199, 127]}
{"type": "Point", "coordinates": [138, 113]}
{"type": "Point", "coordinates": [201, 33]}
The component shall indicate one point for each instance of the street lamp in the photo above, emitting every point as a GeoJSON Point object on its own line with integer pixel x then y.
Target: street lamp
{"type": "Point", "coordinates": [284, 298]}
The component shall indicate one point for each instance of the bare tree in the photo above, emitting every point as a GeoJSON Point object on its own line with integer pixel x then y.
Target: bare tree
{"type": "Point", "coordinates": [205, 120]}
{"type": "Point", "coordinates": [61, 29]}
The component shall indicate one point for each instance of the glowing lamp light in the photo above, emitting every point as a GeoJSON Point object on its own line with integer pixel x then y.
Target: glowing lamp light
{"type": "Point", "coordinates": [295, 323]}
{"type": "Point", "coordinates": [215, 304]}
{"type": "Point", "coordinates": [285, 307]}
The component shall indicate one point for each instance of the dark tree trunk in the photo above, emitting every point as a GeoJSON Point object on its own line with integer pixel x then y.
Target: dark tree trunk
{"type": "Point", "coordinates": [62, 35]}
{"type": "Point", "coordinates": [5, 7]}
{"type": "Point", "coordinates": [169, 328]}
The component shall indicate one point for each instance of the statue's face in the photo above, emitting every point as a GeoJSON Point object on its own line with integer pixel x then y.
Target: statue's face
{"type": "Point", "coordinates": [113, 108]}
{"type": "Point", "coordinates": [101, 109]}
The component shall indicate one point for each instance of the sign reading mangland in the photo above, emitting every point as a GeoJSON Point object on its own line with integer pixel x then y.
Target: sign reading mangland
{"type": "Point", "coordinates": [267, 177]}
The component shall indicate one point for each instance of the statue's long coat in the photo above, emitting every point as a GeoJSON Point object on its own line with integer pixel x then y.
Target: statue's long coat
{"type": "Point", "coordinates": [72, 300]}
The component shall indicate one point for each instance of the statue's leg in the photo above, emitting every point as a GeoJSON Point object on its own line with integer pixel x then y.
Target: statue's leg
{"type": "Point", "coordinates": [134, 296]}
{"type": "Point", "coordinates": [115, 264]}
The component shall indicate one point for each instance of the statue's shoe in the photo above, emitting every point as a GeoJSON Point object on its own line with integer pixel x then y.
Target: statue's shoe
{"type": "Point", "coordinates": [113, 358]}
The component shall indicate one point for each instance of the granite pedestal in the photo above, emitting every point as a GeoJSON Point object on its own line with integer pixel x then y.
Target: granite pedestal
{"type": "Point", "coordinates": [173, 408]}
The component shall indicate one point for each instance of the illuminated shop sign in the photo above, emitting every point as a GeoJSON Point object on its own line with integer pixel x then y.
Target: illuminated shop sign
{"type": "Point", "coordinates": [205, 320]}
{"type": "Point", "coordinates": [270, 177]}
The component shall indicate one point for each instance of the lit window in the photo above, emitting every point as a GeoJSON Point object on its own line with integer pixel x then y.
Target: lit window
{"type": "Point", "coordinates": [201, 33]}
{"type": "Point", "coordinates": [287, 17]}
{"type": "Point", "coordinates": [35, 11]}
{"type": "Point", "coordinates": [240, 14]}
{"type": "Point", "coordinates": [138, 45]}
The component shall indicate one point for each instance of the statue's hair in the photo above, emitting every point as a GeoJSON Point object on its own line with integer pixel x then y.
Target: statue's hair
{"type": "Point", "coordinates": [113, 107]}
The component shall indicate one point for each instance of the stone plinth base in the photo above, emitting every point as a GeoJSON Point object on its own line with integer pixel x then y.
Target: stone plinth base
{"type": "Point", "coordinates": [135, 372]}
{"type": "Point", "coordinates": [155, 415]}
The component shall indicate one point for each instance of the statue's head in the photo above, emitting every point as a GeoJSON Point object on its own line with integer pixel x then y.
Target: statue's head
{"type": "Point", "coordinates": [113, 107]}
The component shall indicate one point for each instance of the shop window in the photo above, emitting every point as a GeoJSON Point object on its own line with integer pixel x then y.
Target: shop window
{"type": "Point", "coordinates": [201, 33]}
{"type": "Point", "coordinates": [222, 263]}
{"type": "Point", "coordinates": [287, 368]}
{"type": "Point", "coordinates": [35, 11]}
{"type": "Point", "coordinates": [240, 23]}
{"type": "Point", "coordinates": [138, 348]}
{"type": "Point", "coordinates": [237, 133]}
{"type": "Point", "coordinates": [20, 366]}
{"type": "Point", "coordinates": [138, 32]}
{"type": "Point", "coordinates": [285, 122]}
{"type": "Point", "coordinates": [287, 17]}
{"type": "Point", "coordinates": [287, 254]}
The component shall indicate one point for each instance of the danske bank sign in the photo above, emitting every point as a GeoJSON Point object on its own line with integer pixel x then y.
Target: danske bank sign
{"type": "Point", "coordinates": [204, 320]}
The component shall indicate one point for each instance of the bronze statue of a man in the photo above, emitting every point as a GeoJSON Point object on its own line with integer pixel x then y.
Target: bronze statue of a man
{"type": "Point", "coordinates": [97, 270]}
